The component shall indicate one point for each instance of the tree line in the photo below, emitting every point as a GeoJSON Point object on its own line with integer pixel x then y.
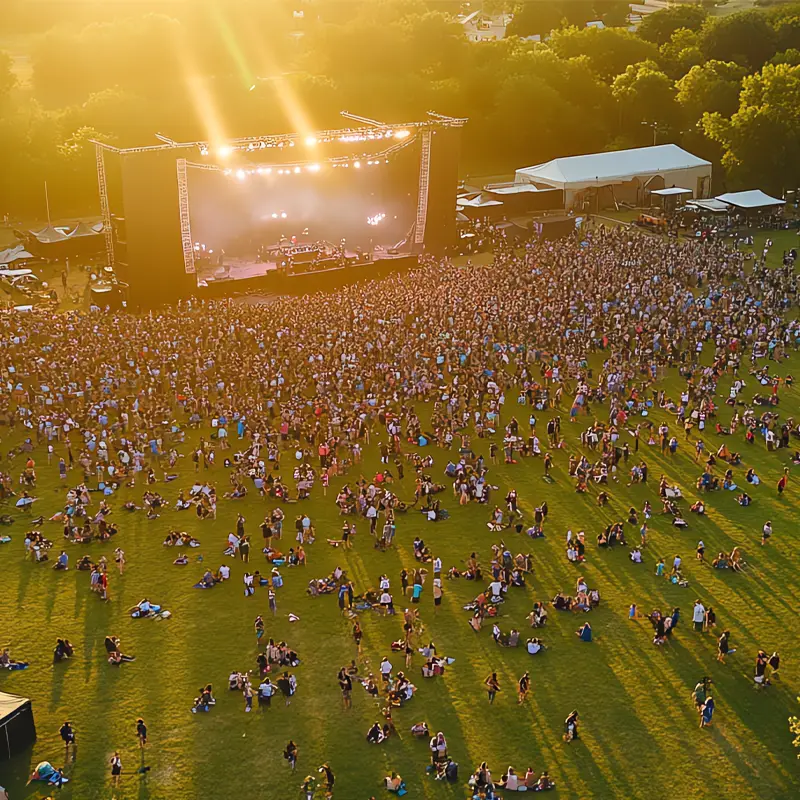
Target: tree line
{"type": "Point", "coordinates": [725, 87]}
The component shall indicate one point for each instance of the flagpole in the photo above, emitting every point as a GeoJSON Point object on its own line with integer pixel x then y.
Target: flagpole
{"type": "Point", "coordinates": [47, 202]}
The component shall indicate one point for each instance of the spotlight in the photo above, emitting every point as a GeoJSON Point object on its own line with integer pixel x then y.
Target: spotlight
{"type": "Point", "coordinates": [357, 165]}
{"type": "Point", "coordinates": [241, 174]}
{"type": "Point", "coordinates": [283, 215]}
{"type": "Point", "coordinates": [296, 170]}
{"type": "Point", "coordinates": [313, 168]}
{"type": "Point", "coordinates": [260, 171]}
{"type": "Point", "coordinates": [224, 151]}
{"type": "Point", "coordinates": [274, 216]}
{"type": "Point", "coordinates": [311, 141]}
{"type": "Point", "coordinates": [402, 134]}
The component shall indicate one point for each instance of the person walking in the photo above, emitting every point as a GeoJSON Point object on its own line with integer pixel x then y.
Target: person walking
{"type": "Point", "coordinates": [523, 687]}
{"type": "Point", "coordinates": [141, 733]}
{"type": "Point", "coordinates": [492, 686]}
{"type": "Point", "coordinates": [116, 769]}
{"type": "Point", "coordinates": [290, 754]}
{"type": "Point", "coordinates": [67, 735]}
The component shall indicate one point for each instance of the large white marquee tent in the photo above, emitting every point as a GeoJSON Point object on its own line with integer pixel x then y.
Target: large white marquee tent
{"type": "Point", "coordinates": [621, 175]}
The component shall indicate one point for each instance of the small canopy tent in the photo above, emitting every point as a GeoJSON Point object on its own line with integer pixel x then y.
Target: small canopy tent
{"type": "Point", "coordinates": [711, 205]}
{"type": "Point", "coordinates": [17, 729]}
{"type": "Point", "coordinates": [669, 197]}
{"type": "Point", "coordinates": [673, 191]}
{"type": "Point", "coordinates": [749, 201]}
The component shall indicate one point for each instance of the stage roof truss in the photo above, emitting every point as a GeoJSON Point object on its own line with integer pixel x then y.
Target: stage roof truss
{"type": "Point", "coordinates": [371, 130]}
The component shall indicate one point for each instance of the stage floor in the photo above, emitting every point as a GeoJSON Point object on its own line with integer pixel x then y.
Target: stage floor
{"type": "Point", "coordinates": [237, 269]}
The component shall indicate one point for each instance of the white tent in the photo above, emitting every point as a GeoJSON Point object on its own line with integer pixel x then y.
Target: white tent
{"type": "Point", "coordinates": [637, 170]}
{"type": "Point", "coordinates": [712, 205]}
{"type": "Point", "coordinates": [755, 198]}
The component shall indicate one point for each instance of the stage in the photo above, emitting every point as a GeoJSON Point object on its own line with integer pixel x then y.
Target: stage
{"type": "Point", "coordinates": [278, 282]}
{"type": "Point", "coordinates": [285, 263]}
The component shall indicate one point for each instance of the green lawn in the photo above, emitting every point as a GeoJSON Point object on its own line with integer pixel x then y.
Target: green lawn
{"type": "Point", "coordinates": [640, 735]}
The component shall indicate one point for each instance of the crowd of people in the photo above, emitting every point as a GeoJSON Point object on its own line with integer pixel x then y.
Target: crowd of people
{"type": "Point", "coordinates": [288, 397]}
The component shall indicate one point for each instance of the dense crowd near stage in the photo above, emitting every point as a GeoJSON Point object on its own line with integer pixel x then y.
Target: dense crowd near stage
{"type": "Point", "coordinates": [444, 355]}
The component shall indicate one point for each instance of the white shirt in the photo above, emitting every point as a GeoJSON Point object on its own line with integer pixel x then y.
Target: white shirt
{"type": "Point", "coordinates": [225, 572]}
{"type": "Point", "coordinates": [386, 667]}
{"type": "Point", "coordinates": [699, 613]}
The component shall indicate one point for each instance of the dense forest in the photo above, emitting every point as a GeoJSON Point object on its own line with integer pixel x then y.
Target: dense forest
{"type": "Point", "coordinates": [726, 87]}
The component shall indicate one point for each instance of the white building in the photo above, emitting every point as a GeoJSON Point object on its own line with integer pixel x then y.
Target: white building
{"type": "Point", "coordinates": [601, 180]}
{"type": "Point", "coordinates": [480, 27]}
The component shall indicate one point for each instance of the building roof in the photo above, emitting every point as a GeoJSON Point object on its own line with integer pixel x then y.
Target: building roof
{"type": "Point", "coordinates": [616, 166]}
{"type": "Point", "coordinates": [755, 198]}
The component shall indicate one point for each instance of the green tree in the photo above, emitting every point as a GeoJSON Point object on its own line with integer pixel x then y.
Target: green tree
{"type": "Point", "coordinates": [713, 86]}
{"type": "Point", "coordinates": [791, 56]}
{"type": "Point", "coordinates": [745, 37]}
{"type": "Point", "coordinates": [646, 95]}
{"type": "Point", "coordinates": [659, 27]}
{"type": "Point", "coordinates": [761, 141]}
{"type": "Point", "coordinates": [536, 18]}
{"type": "Point", "coordinates": [608, 51]}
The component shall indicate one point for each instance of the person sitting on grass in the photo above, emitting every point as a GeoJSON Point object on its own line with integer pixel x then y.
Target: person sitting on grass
{"type": "Point", "coordinates": [204, 700]}
{"type": "Point", "coordinates": [534, 646]}
{"type": "Point", "coordinates": [584, 633]}
{"type": "Point", "coordinates": [394, 783]}
{"type": "Point", "coordinates": [375, 734]}
{"type": "Point", "coordinates": [6, 662]}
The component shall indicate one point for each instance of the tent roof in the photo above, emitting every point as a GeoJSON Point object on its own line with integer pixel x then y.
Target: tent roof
{"type": "Point", "coordinates": [518, 188]}
{"type": "Point", "coordinates": [755, 198]}
{"type": "Point", "coordinates": [9, 703]}
{"type": "Point", "coordinates": [618, 165]}
{"type": "Point", "coordinates": [84, 229]}
{"type": "Point", "coordinates": [18, 253]}
{"type": "Point", "coordinates": [675, 190]}
{"type": "Point", "coordinates": [708, 205]}
{"type": "Point", "coordinates": [49, 234]}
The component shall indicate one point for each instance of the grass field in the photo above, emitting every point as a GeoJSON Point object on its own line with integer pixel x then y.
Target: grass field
{"type": "Point", "coordinates": [640, 735]}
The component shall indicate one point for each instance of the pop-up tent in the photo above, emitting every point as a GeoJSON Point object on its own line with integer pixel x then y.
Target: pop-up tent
{"type": "Point", "coordinates": [17, 730]}
{"type": "Point", "coordinates": [750, 201]}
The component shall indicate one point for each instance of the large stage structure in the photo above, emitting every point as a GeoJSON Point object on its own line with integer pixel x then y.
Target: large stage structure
{"type": "Point", "coordinates": [382, 191]}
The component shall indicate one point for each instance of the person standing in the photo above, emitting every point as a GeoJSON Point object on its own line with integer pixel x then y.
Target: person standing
{"type": "Point", "coordinates": [492, 686]}
{"type": "Point", "coordinates": [119, 557]}
{"type": "Point", "coordinates": [141, 733]}
{"type": "Point", "coordinates": [766, 532]}
{"type": "Point", "coordinates": [247, 692]}
{"type": "Point", "coordinates": [438, 592]}
{"type": "Point", "coordinates": [346, 685]}
{"type": "Point", "coordinates": [698, 616]}
{"type": "Point", "coordinates": [523, 687]}
{"type": "Point", "coordinates": [273, 602]}
{"type": "Point", "coordinates": [290, 754]}
{"type": "Point", "coordinates": [330, 778]}
{"type": "Point", "coordinates": [116, 769]}
{"type": "Point", "coordinates": [67, 735]}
